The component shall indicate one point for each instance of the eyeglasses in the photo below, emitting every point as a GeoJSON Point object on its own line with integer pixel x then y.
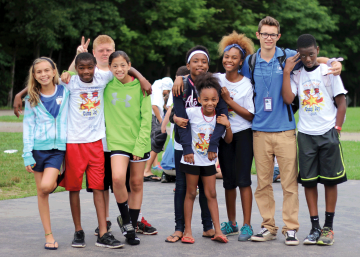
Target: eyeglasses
{"type": "Point", "coordinates": [266, 35]}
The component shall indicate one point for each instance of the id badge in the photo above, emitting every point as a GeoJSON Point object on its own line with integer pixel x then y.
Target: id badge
{"type": "Point", "coordinates": [268, 104]}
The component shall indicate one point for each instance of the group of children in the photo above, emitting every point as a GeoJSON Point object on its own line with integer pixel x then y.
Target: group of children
{"type": "Point", "coordinates": [235, 116]}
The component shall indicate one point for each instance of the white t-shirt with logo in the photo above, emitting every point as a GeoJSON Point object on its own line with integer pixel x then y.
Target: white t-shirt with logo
{"type": "Point", "coordinates": [86, 122]}
{"type": "Point", "coordinates": [202, 128]}
{"type": "Point", "coordinates": [317, 112]}
{"type": "Point", "coordinates": [157, 97]}
{"type": "Point", "coordinates": [242, 94]}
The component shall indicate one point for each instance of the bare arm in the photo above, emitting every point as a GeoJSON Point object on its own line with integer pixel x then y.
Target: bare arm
{"type": "Point", "coordinates": [18, 102]}
{"type": "Point", "coordinates": [145, 85]}
{"type": "Point", "coordinates": [166, 120]}
{"type": "Point", "coordinates": [336, 66]}
{"type": "Point", "coordinates": [223, 120]}
{"type": "Point", "coordinates": [157, 113]}
{"type": "Point", "coordinates": [81, 49]}
{"type": "Point", "coordinates": [244, 113]}
{"type": "Point", "coordinates": [287, 94]}
{"type": "Point", "coordinates": [341, 110]}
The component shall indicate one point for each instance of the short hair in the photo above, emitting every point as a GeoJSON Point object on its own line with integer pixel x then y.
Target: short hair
{"type": "Point", "coordinates": [207, 80]}
{"type": "Point", "coordinates": [305, 41]}
{"type": "Point", "coordinates": [198, 47]}
{"type": "Point", "coordinates": [270, 21]}
{"type": "Point", "coordinates": [182, 71]}
{"type": "Point", "coordinates": [103, 39]}
{"type": "Point", "coordinates": [84, 57]}
{"type": "Point", "coordinates": [117, 54]}
{"type": "Point", "coordinates": [240, 39]}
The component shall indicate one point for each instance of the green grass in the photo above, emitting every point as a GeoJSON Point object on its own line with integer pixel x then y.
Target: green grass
{"type": "Point", "coordinates": [16, 182]}
{"type": "Point", "coordinates": [352, 123]}
{"type": "Point", "coordinates": [5, 108]}
{"type": "Point", "coordinates": [11, 118]}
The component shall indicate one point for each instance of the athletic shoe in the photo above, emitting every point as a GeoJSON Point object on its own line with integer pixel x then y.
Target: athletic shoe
{"type": "Point", "coordinates": [290, 238]}
{"type": "Point", "coordinates": [326, 237]}
{"type": "Point", "coordinates": [164, 178]}
{"type": "Point", "coordinates": [246, 233]}
{"type": "Point", "coordinates": [313, 237]}
{"type": "Point", "coordinates": [108, 241]}
{"type": "Point", "coordinates": [108, 226]}
{"type": "Point", "coordinates": [144, 227]}
{"type": "Point", "coordinates": [79, 239]}
{"type": "Point", "coordinates": [228, 229]}
{"type": "Point", "coordinates": [157, 167]}
{"type": "Point", "coordinates": [128, 231]}
{"type": "Point", "coordinates": [263, 235]}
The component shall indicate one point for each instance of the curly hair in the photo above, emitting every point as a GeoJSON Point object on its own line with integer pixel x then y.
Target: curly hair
{"type": "Point", "coordinates": [235, 38]}
{"type": "Point", "coordinates": [34, 86]}
{"type": "Point", "coordinates": [207, 80]}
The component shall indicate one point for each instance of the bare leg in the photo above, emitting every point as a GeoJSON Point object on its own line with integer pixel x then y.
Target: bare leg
{"type": "Point", "coordinates": [311, 195]}
{"type": "Point", "coordinates": [119, 165]}
{"type": "Point", "coordinates": [45, 183]}
{"type": "Point", "coordinates": [155, 162]}
{"type": "Point", "coordinates": [246, 202]}
{"type": "Point", "coordinates": [147, 170]}
{"type": "Point", "coordinates": [330, 198]}
{"type": "Point", "coordinates": [75, 209]}
{"type": "Point", "coordinates": [191, 185]}
{"type": "Point", "coordinates": [99, 203]}
{"type": "Point", "coordinates": [230, 198]}
{"type": "Point", "coordinates": [106, 197]}
{"type": "Point", "coordinates": [136, 184]}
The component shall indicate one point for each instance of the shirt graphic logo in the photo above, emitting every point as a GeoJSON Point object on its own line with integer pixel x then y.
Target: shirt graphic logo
{"type": "Point", "coordinates": [311, 98]}
{"type": "Point", "coordinates": [126, 100]}
{"type": "Point", "coordinates": [89, 101]}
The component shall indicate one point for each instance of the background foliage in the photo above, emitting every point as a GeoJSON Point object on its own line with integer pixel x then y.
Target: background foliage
{"type": "Point", "coordinates": [157, 34]}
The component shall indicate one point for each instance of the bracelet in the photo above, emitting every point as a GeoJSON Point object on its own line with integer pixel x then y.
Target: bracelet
{"type": "Point", "coordinates": [328, 63]}
{"type": "Point", "coordinates": [228, 127]}
{"type": "Point", "coordinates": [338, 128]}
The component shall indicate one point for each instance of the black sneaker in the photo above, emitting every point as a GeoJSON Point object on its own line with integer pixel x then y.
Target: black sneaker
{"type": "Point", "coordinates": [108, 241]}
{"type": "Point", "coordinates": [79, 239]}
{"type": "Point", "coordinates": [290, 238]}
{"type": "Point", "coordinates": [164, 178]}
{"type": "Point", "coordinates": [128, 231]}
{"type": "Point", "coordinates": [108, 226]}
{"type": "Point", "coordinates": [144, 227]}
{"type": "Point", "coordinates": [313, 237]}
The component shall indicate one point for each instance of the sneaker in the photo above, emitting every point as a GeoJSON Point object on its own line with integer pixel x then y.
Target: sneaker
{"type": "Point", "coordinates": [228, 229]}
{"type": "Point", "coordinates": [128, 231]}
{"type": "Point", "coordinates": [108, 226]}
{"type": "Point", "coordinates": [79, 239]}
{"type": "Point", "coordinates": [157, 167]}
{"type": "Point", "coordinates": [246, 233]}
{"type": "Point", "coordinates": [164, 178]}
{"type": "Point", "coordinates": [290, 238]}
{"type": "Point", "coordinates": [108, 241]}
{"type": "Point", "coordinates": [263, 235]}
{"type": "Point", "coordinates": [326, 237]}
{"type": "Point", "coordinates": [313, 237]}
{"type": "Point", "coordinates": [144, 227]}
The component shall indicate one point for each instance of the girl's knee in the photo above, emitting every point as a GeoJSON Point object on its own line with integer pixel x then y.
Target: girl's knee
{"type": "Point", "coordinates": [46, 189]}
{"type": "Point", "coordinates": [211, 194]}
{"type": "Point", "coordinates": [191, 194]}
{"type": "Point", "coordinates": [136, 186]}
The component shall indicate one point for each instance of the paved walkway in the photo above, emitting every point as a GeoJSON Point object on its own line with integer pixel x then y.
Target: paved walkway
{"type": "Point", "coordinates": [21, 231]}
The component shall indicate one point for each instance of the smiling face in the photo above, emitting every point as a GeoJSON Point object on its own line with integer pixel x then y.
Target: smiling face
{"type": "Point", "coordinates": [232, 60]}
{"type": "Point", "coordinates": [44, 73]}
{"type": "Point", "coordinates": [102, 53]}
{"type": "Point", "coordinates": [198, 64]}
{"type": "Point", "coordinates": [208, 98]}
{"type": "Point", "coordinates": [268, 43]}
{"type": "Point", "coordinates": [85, 70]}
{"type": "Point", "coordinates": [308, 56]}
{"type": "Point", "coordinates": [120, 68]}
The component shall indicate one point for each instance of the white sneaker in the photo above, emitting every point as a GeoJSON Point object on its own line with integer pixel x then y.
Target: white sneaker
{"type": "Point", "coordinates": [263, 235]}
{"type": "Point", "coordinates": [290, 238]}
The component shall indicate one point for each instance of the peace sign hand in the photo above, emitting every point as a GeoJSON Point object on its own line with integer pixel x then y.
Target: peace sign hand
{"type": "Point", "coordinates": [291, 62]}
{"type": "Point", "coordinates": [83, 47]}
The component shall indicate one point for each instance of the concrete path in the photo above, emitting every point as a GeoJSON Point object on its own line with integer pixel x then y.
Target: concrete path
{"type": "Point", "coordinates": [21, 231]}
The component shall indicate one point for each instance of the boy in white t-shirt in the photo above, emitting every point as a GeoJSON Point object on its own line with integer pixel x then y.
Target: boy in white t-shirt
{"type": "Point", "coordinates": [321, 115]}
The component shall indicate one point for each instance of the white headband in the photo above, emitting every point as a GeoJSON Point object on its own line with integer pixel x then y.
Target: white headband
{"type": "Point", "coordinates": [197, 52]}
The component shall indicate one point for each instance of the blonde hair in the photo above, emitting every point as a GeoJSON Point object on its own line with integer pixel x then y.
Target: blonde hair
{"type": "Point", "coordinates": [235, 38]}
{"type": "Point", "coordinates": [103, 39]}
{"type": "Point", "coordinates": [34, 86]}
{"type": "Point", "coordinates": [270, 21]}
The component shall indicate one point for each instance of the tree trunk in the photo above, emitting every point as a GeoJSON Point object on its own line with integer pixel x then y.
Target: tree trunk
{"type": "Point", "coordinates": [59, 62]}
{"type": "Point", "coordinates": [355, 98]}
{"type": "Point", "coordinates": [10, 97]}
{"type": "Point", "coordinates": [168, 71]}
{"type": "Point", "coordinates": [51, 51]}
{"type": "Point", "coordinates": [37, 50]}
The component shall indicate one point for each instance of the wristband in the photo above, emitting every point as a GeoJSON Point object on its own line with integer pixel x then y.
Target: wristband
{"type": "Point", "coordinates": [338, 128]}
{"type": "Point", "coordinates": [228, 127]}
{"type": "Point", "coordinates": [328, 63]}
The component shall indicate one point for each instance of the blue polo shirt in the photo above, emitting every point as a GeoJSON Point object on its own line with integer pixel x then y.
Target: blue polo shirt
{"type": "Point", "coordinates": [268, 77]}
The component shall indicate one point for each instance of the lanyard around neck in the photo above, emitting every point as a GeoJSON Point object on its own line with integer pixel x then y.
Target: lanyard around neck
{"type": "Point", "coordinates": [262, 74]}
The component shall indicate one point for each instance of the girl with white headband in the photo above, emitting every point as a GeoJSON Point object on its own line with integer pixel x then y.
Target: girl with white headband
{"type": "Point", "coordinates": [236, 158]}
{"type": "Point", "coordinates": [197, 61]}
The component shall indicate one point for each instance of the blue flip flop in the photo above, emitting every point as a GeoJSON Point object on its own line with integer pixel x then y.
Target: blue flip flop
{"type": "Point", "coordinates": [50, 248]}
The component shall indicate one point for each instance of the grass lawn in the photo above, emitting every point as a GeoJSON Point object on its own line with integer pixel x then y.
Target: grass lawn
{"type": "Point", "coordinates": [352, 123]}
{"type": "Point", "coordinates": [11, 118]}
{"type": "Point", "coordinates": [16, 182]}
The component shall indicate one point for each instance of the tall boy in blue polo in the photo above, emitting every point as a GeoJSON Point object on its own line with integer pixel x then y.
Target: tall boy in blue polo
{"type": "Point", "coordinates": [273, 135]}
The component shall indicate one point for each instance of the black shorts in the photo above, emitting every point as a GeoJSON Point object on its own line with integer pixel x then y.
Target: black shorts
{"type": "Point", "coordinates": [108, 174]}
{"type": "Point", "coordinates": [320, 159]}
{"type": "Point", "coordinates": [236, 158]}
{"type": "Point", "coordinates": [158, 139]}
{"type": "Point", "coordinates": [198, 170]}
{"type": "Point", "coordinates": [130, 156]}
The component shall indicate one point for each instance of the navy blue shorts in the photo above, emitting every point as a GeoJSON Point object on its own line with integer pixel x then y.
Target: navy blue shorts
{"type": "Point", "coordinates": [48, 159]}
